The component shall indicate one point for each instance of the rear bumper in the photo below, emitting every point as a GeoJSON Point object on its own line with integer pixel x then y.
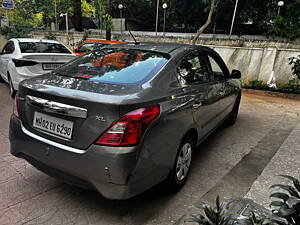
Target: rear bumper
{"type": "Point", "coordinates": [21, 73]}
{"type": "Point", "coordinates": [110, 170]}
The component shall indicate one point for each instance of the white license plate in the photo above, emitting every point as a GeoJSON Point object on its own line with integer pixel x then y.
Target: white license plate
{"type": "Point", "coordinates": [51, 66]}
{"type": "Point", "coordinates": [57, 126]}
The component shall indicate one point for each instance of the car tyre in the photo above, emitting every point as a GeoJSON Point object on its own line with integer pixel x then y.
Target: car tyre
{"type": "Point", "coordinates": [12, 91]}
{"type": "Point", "coordinates": [231, 119]}
{"type": "Point", "coordinates": [182, 165]}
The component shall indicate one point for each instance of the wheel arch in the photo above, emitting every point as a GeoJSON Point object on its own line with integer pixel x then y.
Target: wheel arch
{"type": "Point", "coordinates": [193, 134]}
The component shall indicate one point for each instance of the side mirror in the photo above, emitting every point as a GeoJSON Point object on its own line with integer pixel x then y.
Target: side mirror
{"type": "Point", "coordinates": [236, 74]}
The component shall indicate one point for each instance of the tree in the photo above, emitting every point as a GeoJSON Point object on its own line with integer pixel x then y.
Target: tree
{"type": "Point", "coordinates": [284, 23]}
{"type": "Point", "coordinates": [77, 15]}
{"type": "Point", "coordinates": [208, 21]}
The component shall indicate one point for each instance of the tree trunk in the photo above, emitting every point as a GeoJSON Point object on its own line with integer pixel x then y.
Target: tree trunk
{"type": "Point", "coordinates": [108, 11]}
{"type": "Point", "coordinates": [77, 17]}
{"type": "Point", "coordinates": [208, 21]}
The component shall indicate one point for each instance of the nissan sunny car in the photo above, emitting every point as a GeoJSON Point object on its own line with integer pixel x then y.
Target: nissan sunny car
{"type": "Point", "coordinates": [124, 118]}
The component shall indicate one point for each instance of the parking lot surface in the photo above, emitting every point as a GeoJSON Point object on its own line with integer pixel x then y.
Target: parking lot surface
{"type": "Point", "coordinates": [227, 163]}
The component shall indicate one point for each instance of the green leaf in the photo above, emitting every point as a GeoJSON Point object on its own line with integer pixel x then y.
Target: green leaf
{"type": "Point", "coordinates": [277, 203]}
{"type": "Point", "coordinates": [279, 222]}
{"type": "Point", "coordinates": [288, 188]}
{"type": "Point", "coordinates": [280, 195]}
{"type": "Point", "coordinates": [293, 201]}
{"type": "Point", "coordinates": [296, 182]}
{"type": "Point", "coordinates": [285, 211]}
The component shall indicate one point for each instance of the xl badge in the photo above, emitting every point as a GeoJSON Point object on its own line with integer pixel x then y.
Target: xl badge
{"type": "Point", "coordinates": [100, 118]}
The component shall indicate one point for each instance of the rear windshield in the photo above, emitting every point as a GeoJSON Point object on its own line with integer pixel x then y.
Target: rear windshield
{"type": "Point", "coordinates": [121, 66]}
{"type": "Point", "coordinates": [87, 47]}
{"type": "Point", "coordinates": [42, 47]}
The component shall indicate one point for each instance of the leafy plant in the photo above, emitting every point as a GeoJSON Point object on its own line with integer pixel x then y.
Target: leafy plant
{"type": "Point", "coordinates": [292, 86]}
{"type": "Point", "coordinates": [253, 220]}
{"type": "Point", "coordinates": [287, 205]}
{"type": "Point", "coordinates": [212, 216]}
{"type": "Point", "coordinates": [14, 32]}
{"type": "Point", "coordinates": [295, 62]}
{"type": "Point", "coordinates": [258, 84]}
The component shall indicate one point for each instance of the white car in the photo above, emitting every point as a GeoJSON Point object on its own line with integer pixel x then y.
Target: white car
{"type": "Point", "coordinates": [23, 58]}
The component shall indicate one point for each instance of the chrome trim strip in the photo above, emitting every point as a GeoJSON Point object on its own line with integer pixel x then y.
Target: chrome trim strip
{"type": "Point", "coordinates": [56, 107]}
{"type": "Point", "coordinates": [52, 143]}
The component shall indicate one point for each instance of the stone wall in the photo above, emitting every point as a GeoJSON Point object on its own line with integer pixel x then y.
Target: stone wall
{"type": "Point", "coordinates": [256, 58]}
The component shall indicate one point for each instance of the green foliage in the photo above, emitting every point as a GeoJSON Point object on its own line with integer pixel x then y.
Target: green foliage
{"type": "Point", "coordinates": [292, 86]}
{"type": "Point", "coordinates": [219, 215]}
{"type": "Point", "coordinates": [284, 23]}
{"type": "Point", "coordinates": [286, 207]}
{"type": "Point", "coordinates": [212, 216]}
{"type": "Point", "coordinates": [258, 84]}
{"type": "Point", "coordinates": [14, 32]}
{"type": "Point", "coordinates": [295, 62]}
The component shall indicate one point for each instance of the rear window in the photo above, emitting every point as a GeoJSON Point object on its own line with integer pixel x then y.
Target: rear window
{"type": "Point", "coordinates": [42, 47]}
{"type": "Point", "coordinates": [87, 47]}
{"type": "Point", "coordinates": [121, 66]}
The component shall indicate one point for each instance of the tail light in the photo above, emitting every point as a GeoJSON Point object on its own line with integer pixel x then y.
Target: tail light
{"type": "Point", "coordinates": [128, 130]}
{"type": "Point", "coordinates": [16, 106]}
{"type": "Point", "coordinates": [20, 63]}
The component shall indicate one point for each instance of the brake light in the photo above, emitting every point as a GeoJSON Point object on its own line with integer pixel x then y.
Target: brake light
{"type": "Point", "coordinates": [128, 130]}
{"type": "Point", "coordinates": [16, 106]}
{"type": "Point", "coordinates": [20, 63]}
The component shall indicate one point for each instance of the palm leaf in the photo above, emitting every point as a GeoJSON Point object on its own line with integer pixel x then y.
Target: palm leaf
{"type": "Point", "coordinates": [280, 195]}
{"type": "Point", "coordinates": [288, 188]}
{"type": "Point", "coordinates": [285, 211]}
{"type": "Point", "coordinates": [296, 182]}
{"type": "Point", "coordinates": [277, 203]}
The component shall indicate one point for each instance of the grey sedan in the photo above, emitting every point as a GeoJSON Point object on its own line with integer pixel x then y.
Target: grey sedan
{"type": "Point", "coordinates": [124, 118]}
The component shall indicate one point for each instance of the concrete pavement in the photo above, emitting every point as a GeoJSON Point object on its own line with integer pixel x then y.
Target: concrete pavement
{"type": "Point", "coordinates": [31, 197]}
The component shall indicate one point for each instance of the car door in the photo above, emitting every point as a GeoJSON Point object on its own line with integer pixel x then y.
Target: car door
{"type": "Point", "coordinates": [193, 73]}
{"type": "Point", "coordinates": [224, 91]}
{"type": "Point", "coordinates": [5, 57]}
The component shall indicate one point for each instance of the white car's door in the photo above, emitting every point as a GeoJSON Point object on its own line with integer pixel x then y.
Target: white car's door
{"type": "Point", "coordinates": [5, 57]}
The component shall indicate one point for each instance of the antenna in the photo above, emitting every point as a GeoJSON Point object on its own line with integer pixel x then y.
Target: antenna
{"type": "Point", "coordinates": [135, 42]}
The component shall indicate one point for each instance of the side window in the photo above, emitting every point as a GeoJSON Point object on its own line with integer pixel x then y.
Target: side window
{"type": "Point", "coordinates": [216, 69]}
{"type": "Point", "coordinates": [9, 48]}
{"type": "Point", "coordinates": [193, 70]}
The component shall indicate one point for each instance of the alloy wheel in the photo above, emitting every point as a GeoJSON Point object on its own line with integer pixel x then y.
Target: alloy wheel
{"type": "Point", "coordinates": [183, 161]}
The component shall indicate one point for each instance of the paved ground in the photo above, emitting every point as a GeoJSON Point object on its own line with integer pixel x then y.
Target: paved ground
{"type": "Point", "coordinates": [227, 163]}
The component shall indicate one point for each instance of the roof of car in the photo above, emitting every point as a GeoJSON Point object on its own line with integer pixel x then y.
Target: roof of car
{"type": "Point", "coordinates": [159, 47]}
{"type": "Point", "coordinates": [34, 40]}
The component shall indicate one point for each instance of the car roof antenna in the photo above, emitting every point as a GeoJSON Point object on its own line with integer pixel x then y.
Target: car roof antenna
{"type": "Point", "coordinates": [135, 42]}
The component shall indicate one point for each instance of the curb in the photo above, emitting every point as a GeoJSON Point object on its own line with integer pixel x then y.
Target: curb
{"type": "Point", "coordinates": [271, 93]}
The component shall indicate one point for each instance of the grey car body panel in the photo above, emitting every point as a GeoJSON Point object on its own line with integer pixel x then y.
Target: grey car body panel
{"type": "Point", "coordinates": [122, 172]}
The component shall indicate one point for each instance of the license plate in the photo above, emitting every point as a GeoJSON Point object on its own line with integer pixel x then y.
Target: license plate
{"type": "Point", "coordinates": [51, 66]}
{"type": "Point", "coordinates": [53, 125]}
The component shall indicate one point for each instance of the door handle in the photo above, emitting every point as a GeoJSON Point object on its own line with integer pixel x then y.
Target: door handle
{"type": "Point", "coordinates": [197, 105]}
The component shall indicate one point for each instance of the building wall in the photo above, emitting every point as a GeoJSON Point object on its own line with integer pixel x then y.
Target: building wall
{"type": "Point", "coordinates": [256, 59]}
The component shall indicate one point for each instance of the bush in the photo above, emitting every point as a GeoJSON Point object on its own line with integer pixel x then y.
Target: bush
{"type": "Point", "coordinates": [219, 215]}
{"type": "Point", "coordinates": [287, 207]}
{"type": "Point", "coordinates": [295, 62]}
{"type": "Point", "coordinates": [15, 32]}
